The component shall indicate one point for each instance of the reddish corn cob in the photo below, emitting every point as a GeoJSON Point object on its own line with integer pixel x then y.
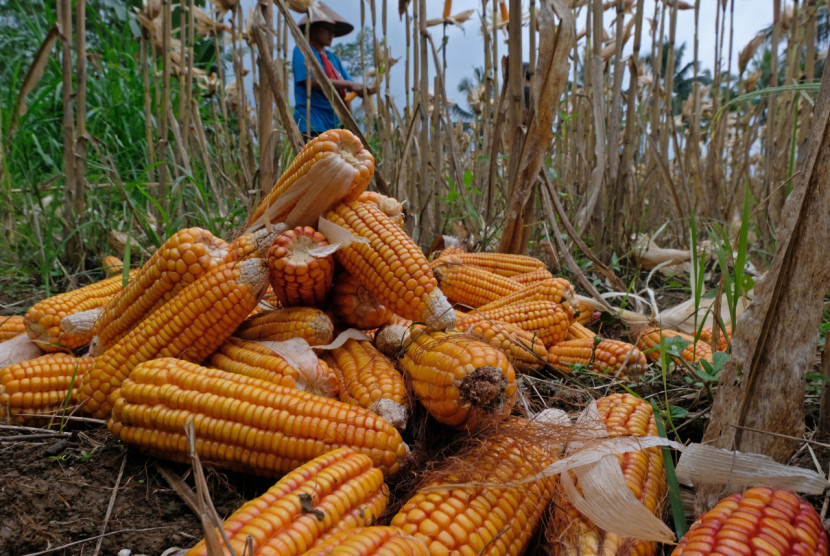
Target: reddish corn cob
{"type": "Point", "coordinates": [76, 329]}
{"type": "Point", "coordinates": [369, 380]}
{"type": "Point", "coordinates": [762, 520]}
{"type": "Point", "coordinates": [723, 339]}
{"type": "Point", "coordinates": [548, 320]}
{"type": "Point", "coordinates": [558, 290]}
{"type": "Point", "coordinates": [38, 388]}
{"type": "Point", "coordinates": [257, 361]}
{"type": "Point", "coordinates": [298, 276]}
{"type": "Point", "coordinates": [503, 264]}
{"type": "Point", "coordinates": [335, 492]}
{"type": "Point", "coordinates": [648, 341]}
{"type": "Point", "coordinates": [524, 350]}
{"type": "Point", "coordinates": [391, 266]}
{"type": "Point", "coordinates": [43, 320]}
{"type": "Point", "coordinates": [609, 357]}
{"type": "Point", "coordinates": [11, 326]}
{"type": "Point", "coordinates": [113, 266]}
{"type": "Point", "coordinates": [578, 331]}
{"type": "Point", "coordinates": [279, 325]}
{"type": "Point", "coordinates": [392, 207]}
{"type": "Point", "coordinates": [460, 381]}
{"type": "Point", "coordinates": [242, 423]}
{"type": "Point", "coordinates": [534, 277]}
{"type": "Point", "coordinates": [378, 540]}
{"type": "Point", "coordinates": [497, 521]}
{"type": "Point", "coordinates": [355, 306]}
{"type": "Point", "coordinates": [470, 285]}
{"type": "Point", "coordinates": [573, 534]}
{"type": "Point", "coordinates": [332, 167]}
{"type": "Point", "coordinates": [191, 325]}
{"type": "Point", "coordinates": [185, 256]}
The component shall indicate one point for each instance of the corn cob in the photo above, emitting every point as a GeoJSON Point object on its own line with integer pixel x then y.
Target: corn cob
{"type": "Point", "coordinates": [353, 304]}
{"type": "Point", "coordinates": [558, 290]}
{"type": "Point", "coordinates": [648, 341]}
{"type": "Point", "coordinates": [253, 244]}
{"type": "Point", "coordinates": [470, 285]}
{"type": "Point", "coordinates": [332, 167]}
{"type": "Point", "coordinates": [761, 520]}
{"type": "Point", "coordinates": [586, 313]}
{"type": "Point", "coordinates": [578, 331]}
{"type": "Point", "coordinates": [447, 9]}
{"type": "Point", "coordinates": [298, 276]}
{"type": "Point", "coordinates": [242, 423]}
{"type": "Point", "coordinates": [43, 320]}
{"type": "Point", "coordinates": [460, 381]}
{"type": "Point", "coordinates": [524, 350]}
{"type": "Point", "coordinates": [495, 521]}
{"type": "Point", "coordinates": [575, 535]}
{"type": "Point", "coordinates": [503, 264]}
{"type": "Point", "coordinates": [333, 493]}
{"type": "Point", "coordinates": [391, 266]}
{"type": "Point", "coordinates": [723, 338]}
{"type": "Point", "coordinates": [369, 380]}
{"type": "Point", "coordinates": [279, 325]}
{"type": "Point", "coordinates": [377, 540]}
{"type": "Point", "coordinates": [608, 357]}
{"type": "Point", "coordinates": [392, 207]}
{"type": "Point", "coordinates": [185, 256]}
{"type": "Point", "coordinates": [191, 325]}
{"type": "Point", "coordinates": [392, 338]}
{"type": "Point", "coordinates": [11, 326]}
{"type": "Point", "coordinates": [529, 278]}
{"type": "Point", "coordinates": [76, 329]}
{"type": "Point", "coordinates": [38, 388]}
{"type": "Point", "coordinates": [257, 361]}
{"type": "Point", "coordinates": [113, 266]}
{"type": "Point", "coordinates": [548, 320]}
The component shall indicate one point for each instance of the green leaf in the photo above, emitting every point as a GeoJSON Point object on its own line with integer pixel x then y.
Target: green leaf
{"type": "Point", "coordinates": [678, 412]}
{"type": "Point", "coordinates": [818, 377]}
{"type": "Point", "coordinates": [467, 179]}
{"type": "Point", "coordinates": [675, 345]}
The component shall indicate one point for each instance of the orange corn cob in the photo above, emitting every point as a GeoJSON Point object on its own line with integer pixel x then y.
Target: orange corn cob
{"type": "Point", "coordinates": [761, 520]}
{"type": "Point", "coordinates": [332, 167]}
{"type": "Point", "coordinates": [447, 8]}
{"type": "Point", "coordinates": [38, 388]}
{"type": "Point", "coordinates": [558, 290]}
{"type": "Point", "coordinates": [648, 341]}
{"type": "Point", "coordinates": [377, 540]}
{"type": "Point", "coordinates": [43, 320]}
{"type": "Point", "coordinates": [496, 521]}
{"type": "Point", "coordinates": [608, 357]}
{"type": "Point", "coordinates": [185, 256]}
{"type": "Point", "coordinates": [253, 244]}
{"type": "Point", "coordinates": [503, 264]}
{"type": "Point", "coordinates": [76, 329]}
{"type": "Point", "coordinates": [391, 266]}
{"type": "Point", "coordinates": [191, 325]}
{"type": "Point", "coordinates": [578, 331]}
{"type": "Point", "coordinates": [279, 325]}
{"type": "Point", "coordinates": [586, 312]}
{"type": "Point", "coordinates": [11, 326]}
{"type": "Point", "coordinates": [470, 285]}
{"type": "Point", "coordinates": [460, 381]}
{"type": "Point", "coordinates": [369, 380]}
{"type": "Point", "coordinates": [113, 266]}
{"type": "Point", "coordinates": [533, 277]}
{"type": "Point", "coordinates": [548, 320]}
{"type": "Point", "coordinates": [298, 276]}
{"type": "Point", "coordinates": [573, 534]}
{"type": "Point", "coordinates": [503, 13]}
{"type": "Point", "coordinates": [392, 338]}
{"type": "Point", "coordinates": [524, 350]}
{"type": "Point", "coordinates": [335, 492]}
{"type": "Point", "coordinates": [353, 304]}
{"type": "Point", "coordinates": [723, 339]}
{"type": "Point", "coordinates": [257, 361]}
{"type": "Point", "coordinates": [392, 207]}
{"type": "Point", "coordinates": [242, 423]}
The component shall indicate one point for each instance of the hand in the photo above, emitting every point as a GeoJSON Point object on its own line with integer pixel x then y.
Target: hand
{"type": "Point", "coordinates": [358, 88]}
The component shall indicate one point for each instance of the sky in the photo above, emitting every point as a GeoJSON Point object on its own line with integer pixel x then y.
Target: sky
{"type": "Point", "coordinates": [465, 46]}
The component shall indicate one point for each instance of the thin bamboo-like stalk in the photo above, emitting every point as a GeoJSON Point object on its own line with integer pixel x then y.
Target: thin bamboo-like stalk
{"type": "Point", "coordinates": [776, 198]}
{"type": "Point", "coordinates": [79, 194]}
{"type": "Point", "coordinates": [423, 101]}
{"type": "Point", "coordinates": [72, 219]}
{"type": "Point", "coordinates": [162, 193]}
{"type": "Point", "coordinates": [265, 112]}
{"type": "Point", "coordinates": [615, 120]}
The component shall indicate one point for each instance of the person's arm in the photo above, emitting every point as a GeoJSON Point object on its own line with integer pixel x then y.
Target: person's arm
{"type": "Point", "coordinates": [344, 84]}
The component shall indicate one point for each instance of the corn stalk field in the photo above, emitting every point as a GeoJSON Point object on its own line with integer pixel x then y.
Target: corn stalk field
{"type": "Point", "coordinates": [671, 191]}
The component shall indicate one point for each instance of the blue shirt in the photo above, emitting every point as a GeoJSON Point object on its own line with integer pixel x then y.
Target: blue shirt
{"type": "Point", "coordinates": [322, 114]}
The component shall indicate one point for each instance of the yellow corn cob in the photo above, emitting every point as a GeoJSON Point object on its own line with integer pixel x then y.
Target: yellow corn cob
{"type": "Point", "coordinates": [369, 380]}
{"type": "Point", "coordinates": [460, 381]}
{"type": "Point", "coordinates": [377, 540]}
{"type": "Point", "coordinates": [298, 276]}
{"type": "Point", "coordinates": [191, 325]}
{"type": "Point", "coordinates": [353, 304]}
{"type": "Point", "coordinates": [470, 285]}
{"type": "Point", "coordinates": [523, 349]}
{"type": "Point", "coordinates": [76, 329]}
{"type": "Point", "coordinates": [335, 492]}
{"type": "Point", "coordinates": [648, 341]}
{"type": "Point", "coordinates": [503, 13]}
{"type": "Point", "coordinates": [336, 161]}
{"type": "Point", "coordinates": [503, 264]}
{"type": "Point", "coordinates": [279, 325]}
{"type": "Point", "coordinates": [586, 312]}
{"type": "Point", "coordinates": [548, 320]}
{"type": "Point", "coordinates": [43, 320]}
{"type": "Point", "coordinates": [11, 326]}
{"type": "Point", "coordinates": [573, 534]}
{"type": "Point", "coordinates": [38, 388]}
{"type": "Point", "coordinates": [608, 357]}
{"type": "Point", "coordinates": [242, 423]}
{"type": "Point", "coordinates": [558, 290]}
{"type": "Point", "coordinates": [761, 520]}
{"type": "Point", "coordinates": [578, 331]}
{"type": "Point", "coordinates": [392, 338]}
{"type": "Point", "coordinates": [113, 266]}
{"type": "Point", "coordinates": [723, 339]}
{"type": "Point", "coordinates": [391, 266]}
{"type": "Point", "coordinates": [185, 256]}
{"type": "Point", "coordinates": [533, 277]}
{"type": "Point", "coordinates": [447, 8]}
{"type": "Point", "coordinates": [496, 521]}
{"type": "Point", "coordinates": [392, 207]}
{"type": "Point", "coordinates": [257, 361]}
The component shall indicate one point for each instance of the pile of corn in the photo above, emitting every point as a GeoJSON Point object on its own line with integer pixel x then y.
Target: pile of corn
{"type": "Point", "coordinates": [244, 340]}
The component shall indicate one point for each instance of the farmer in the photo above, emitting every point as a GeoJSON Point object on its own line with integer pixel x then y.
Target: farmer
{"type": "Point", "coordinates": [325, 25]}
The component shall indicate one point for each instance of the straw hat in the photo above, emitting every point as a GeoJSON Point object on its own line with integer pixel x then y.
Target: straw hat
{"type": "Point", "coordinates": [319, 12]}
